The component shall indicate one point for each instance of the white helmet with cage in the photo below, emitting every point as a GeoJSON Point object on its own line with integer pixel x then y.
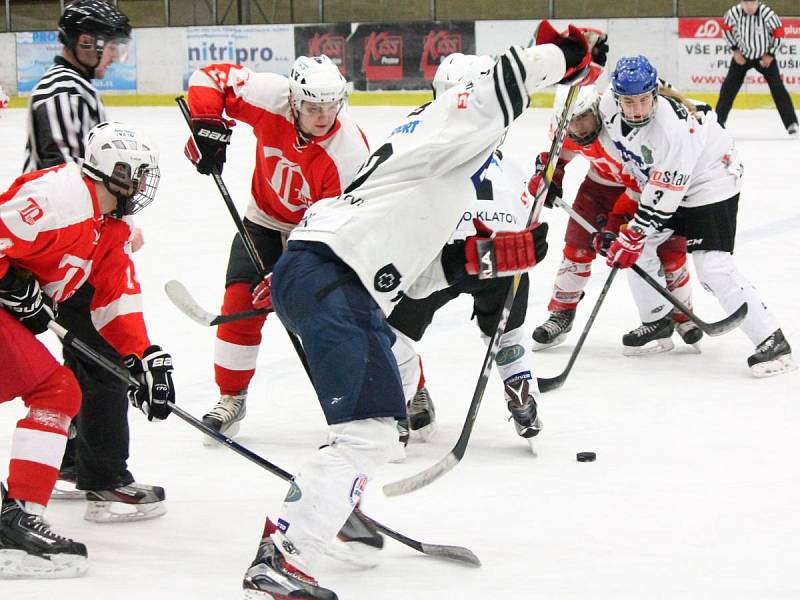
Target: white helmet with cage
{"type": "Point", "coordinates": [458, 68]}
{"type": "Point", "coordinates": [588, 100]}
{"type": "Point", "coordinates": [118, 154]}
{"type": "Point", "coordinates": [315, 79]}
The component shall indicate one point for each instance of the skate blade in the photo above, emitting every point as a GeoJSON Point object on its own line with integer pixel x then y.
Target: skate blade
{"type": "Point", "coordinates": [426, 433]}
{"type": "Point", "coordinates": [119, 512]}
{"type": "Point", "coordinates": [532, 446]}
{"type": "Point", "coordinates": [556, 342]}
{"type": "Point", "coordinates": [782, 364]}
{"type": "Point", "coordinates": [652, 347]}
{"type": "Point", "coordinates": [66, 490]}
{"type": "Point", "coordinates": [397, 454]}
{"type": "Point", "coordinates": [17, 564]}
{"type": "Point", "coordinates": [212, 442]}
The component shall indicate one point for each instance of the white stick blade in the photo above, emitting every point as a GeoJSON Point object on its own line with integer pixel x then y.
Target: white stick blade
{"type": "Point", "coordinates": [181, 298]}
{"type": "Point", "coordinates": [420, 480]}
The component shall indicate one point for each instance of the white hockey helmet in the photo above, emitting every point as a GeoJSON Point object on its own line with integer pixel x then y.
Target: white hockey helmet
{"type": "Point", "coordinates": [315, 79]}
{"type": "Point", "coordinates": [117, 153]}
{"type": "Point", "coordinates": [588, 100]}
{"type": "Point", "coordinates": [458, 68]}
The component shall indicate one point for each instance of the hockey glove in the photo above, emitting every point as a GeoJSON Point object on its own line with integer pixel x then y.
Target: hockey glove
{"type": "Point", "coordinates": [207, 147]}
{"type": "Point", "coordinates": [625, 250]}
{"type": "Point", "coordinates": [155, 390]}
{"type": "Point", "coordinates": [496, 254]}
{"type": "Point", "coordinates": [262, 296]}
{"type": "Point", "coordinates": [585, 51]}
{"type": "Point", "coordinates": [25, 300]}
{"type": "Point", "coordinates": [602, 240]}
{"type": "Point", "coordinates": [535, 185]}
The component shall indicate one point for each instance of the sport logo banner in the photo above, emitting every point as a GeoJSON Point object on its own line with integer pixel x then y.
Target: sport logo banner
{"type": "Point", "coordinates": [704, 56]}
{"type": "Point", "coordinates": [437, 45]}
{"type": "Point", "coordinates": [383, 56]}
{"type": "Point", "coordinates": [330, 40]}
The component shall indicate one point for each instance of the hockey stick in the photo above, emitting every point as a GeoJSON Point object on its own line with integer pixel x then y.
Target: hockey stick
{"type": "Point", "coordinates": [181, 298]}
{"type": "Point", "coordinates": [249, 246]}
{"type": "Point", "coordinates": [730, 322]}
{"type": "Point", "coordinates": [547, 384]}
{"type": "Point", "coordinates": [434, 472]}
{"type": "Point", "coordinates": [455, 553]}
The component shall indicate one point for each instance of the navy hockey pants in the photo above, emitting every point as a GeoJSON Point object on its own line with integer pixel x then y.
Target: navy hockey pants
{"type": "Point", "coordinates": [345, 335]}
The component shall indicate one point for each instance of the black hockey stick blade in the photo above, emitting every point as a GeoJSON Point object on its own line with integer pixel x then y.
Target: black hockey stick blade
{"type": "Point", "coordinates": [181, 298]}
{"type": "Point", "coordinates": [455, 553]}
{"type": "Point", "coordinates": [548, 384]}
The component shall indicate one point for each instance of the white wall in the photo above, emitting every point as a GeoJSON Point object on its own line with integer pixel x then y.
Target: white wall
{"type": "Point", "coordinates": [8, 63]}
{"type": "Point", "coordinates": [160, 60]}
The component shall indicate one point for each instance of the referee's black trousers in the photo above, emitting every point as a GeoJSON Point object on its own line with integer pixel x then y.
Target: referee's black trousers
{"type": "Point", "coordinates": [735, 78]}
{"type": "Point", "coordinates": [99, 453]}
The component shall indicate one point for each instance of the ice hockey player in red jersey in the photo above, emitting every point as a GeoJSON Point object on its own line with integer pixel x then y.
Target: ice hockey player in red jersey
{"type": "Point", "coordinates": [307, 148]}
{"type": "Point", "coordinates": [607, 199]}
{"type": "Point", "coordinates": [59, 230]}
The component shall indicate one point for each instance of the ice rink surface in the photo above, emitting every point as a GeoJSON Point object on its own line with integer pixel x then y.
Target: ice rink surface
{"type": "Point", "coordinates": [696, 487]}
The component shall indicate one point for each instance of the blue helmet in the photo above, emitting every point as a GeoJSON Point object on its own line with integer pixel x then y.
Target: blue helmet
{"type": "Point", "coordinates": [634, 75]}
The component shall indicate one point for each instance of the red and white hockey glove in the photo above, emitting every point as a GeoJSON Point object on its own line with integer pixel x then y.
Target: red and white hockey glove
{"type": "Point", "coordinates": [536, 184]}
{"type": "Point", "coordinates": [155, 391]}
{"type": "Point", "coordinates": [262, 294]}
{"type": "Point", "coordinates": [626, 249]}
{"type": "Point", "coordinates": [585, 51]}
{"type": "Point", "coordinates": [491, 254]}
{"type": "Point", "coordinates": [207, 147]}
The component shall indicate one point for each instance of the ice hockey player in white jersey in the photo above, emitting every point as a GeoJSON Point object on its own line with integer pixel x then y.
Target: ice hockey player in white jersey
{"type": "Point", "coordinates": [690, 177]}
{"type": "Point", "coordinates": [354, 257]}
{"type": "Point", "coordinates": [501, 203]}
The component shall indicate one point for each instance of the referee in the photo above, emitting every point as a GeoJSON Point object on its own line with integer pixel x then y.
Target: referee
{"type": "Point", "coordinates": [754, 33]}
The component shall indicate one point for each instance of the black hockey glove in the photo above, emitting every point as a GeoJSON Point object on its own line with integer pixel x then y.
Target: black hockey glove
{"type": "Point", "coordinates": [155, 390]}
{"type": "Point", "coordinates": [25, 300]}
{"type": "Point", "coordinates": [207, 147]}
{"type": "Point", "coordinates": [535, 184]}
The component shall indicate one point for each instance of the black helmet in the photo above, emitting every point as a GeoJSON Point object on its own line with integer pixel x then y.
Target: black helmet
{"type": "Point", "coordinates": [93, 17]}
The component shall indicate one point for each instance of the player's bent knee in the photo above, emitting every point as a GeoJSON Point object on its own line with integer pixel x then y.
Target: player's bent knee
{"type": "Point", "coordinates": [365, 440]}
{"type": "Point", "coordinates": [55, 400]}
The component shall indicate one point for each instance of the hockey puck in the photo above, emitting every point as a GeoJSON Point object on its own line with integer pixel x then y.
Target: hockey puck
{"type": "Point", "coordinates": [586, 456]}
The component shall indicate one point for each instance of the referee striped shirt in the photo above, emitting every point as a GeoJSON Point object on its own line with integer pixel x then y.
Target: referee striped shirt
{"type": "Point", "coordinates": [62, 108]}
{"type": "Point", "coordinates": [755, 35]}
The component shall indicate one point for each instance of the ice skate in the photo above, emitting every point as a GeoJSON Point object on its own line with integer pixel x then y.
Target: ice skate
{"type": "Point", "coordinates": [690, 333]}
{"type": "Point", "coordinates": [270, 576]}
{"type": "Point", "coordinates": [66, 486]}
{"type": "Point", "coordinates": [553, 331]}
{"type": "Point", "coordinates": [225, 416]}
{"type": "Point", "coordinates": [398, 450]}
{"type": "Point", "coordinates": [649, 338]}
{"type": "Point", "coordinates": [422, 414]}
{"type": "Point", "coordinates": [524, 411]}
{"type": "Point", "coordinates": [29, 549]}
{"type": "Point", "coordinates": [132, 502]}
{"type": "Point", "coordinates": [773, 356]}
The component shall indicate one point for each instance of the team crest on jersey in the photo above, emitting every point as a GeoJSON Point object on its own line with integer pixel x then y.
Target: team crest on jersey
{"type": "Point", "coordinates": [387, 278]}
{"type": "Point", "coordinates": [647, 154]}
{"type": "Point", "coordinates": [463, 100]}
{"type": "Point", "coordinates": [287, 180]}
{"type": "Point", "coordinates": [31, 212]}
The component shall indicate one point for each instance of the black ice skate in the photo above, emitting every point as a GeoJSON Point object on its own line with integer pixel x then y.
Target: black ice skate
{"type": "Point", "coordinates": [422, 414]}
{"type": "Point", "coordinates": [66, 486]}
{"type": "Point", "coordinates": [225, 416]}
{"type": "Point", "coordinates": [773, 356]}
{"type": "Point", "coordinates": [524, 411]}
{"type": "Point", "coordinates": [29, 549]}
{"type": "Point", "coordinates": [690, 333]}
{"type": "Point", "coordinates": [649, 338]}
{"type": "Point", "coordinates": [553, 331]}
{"type": "Point", "coordinates": [132, 502]}
{"type": "Point", "coordinates": [270, 576]}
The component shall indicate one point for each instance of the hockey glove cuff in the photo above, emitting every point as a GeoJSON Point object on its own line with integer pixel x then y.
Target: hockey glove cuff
{"type": "Point", "coordinates": [262, 295]}
{"type": "Point", "coordinates": [25, 300]}
{"type": "Point", "coordinates": [625, 250]}
{"type": "Point", "coordinates": [155, 390]}
{"type": "Point", "coordinates": [491, 254]}
{"type": "Point", "coordinates": [207, 148]}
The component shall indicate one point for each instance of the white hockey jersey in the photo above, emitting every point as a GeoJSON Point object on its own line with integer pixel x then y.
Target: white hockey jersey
{"type": "Point", "coordinates": [678, 159]}
{"type": "Point", "coordinates": [391, 223]}
{"type": "Point", "coordinates": [502, 202]}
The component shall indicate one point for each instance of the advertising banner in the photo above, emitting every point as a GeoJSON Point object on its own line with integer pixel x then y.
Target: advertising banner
{"type": "Point", "coordinates": [704, 57]}
{"type": "Point", "coordinates": [404, 56]}
{"type": "Point", "coordinates": [330, 40]}
{"type": "Point", "coordinates": [262, 48]}
{"type": "Point", "coordinates": [35, 52]}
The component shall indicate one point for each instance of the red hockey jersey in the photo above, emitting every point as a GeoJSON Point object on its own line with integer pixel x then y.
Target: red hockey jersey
{"type": "Point", "coordinates": [606, 165]}
{"type": "Point", "coordinates": [289, 176]}
{"type": "Point", "coordinates": [50, 225]}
